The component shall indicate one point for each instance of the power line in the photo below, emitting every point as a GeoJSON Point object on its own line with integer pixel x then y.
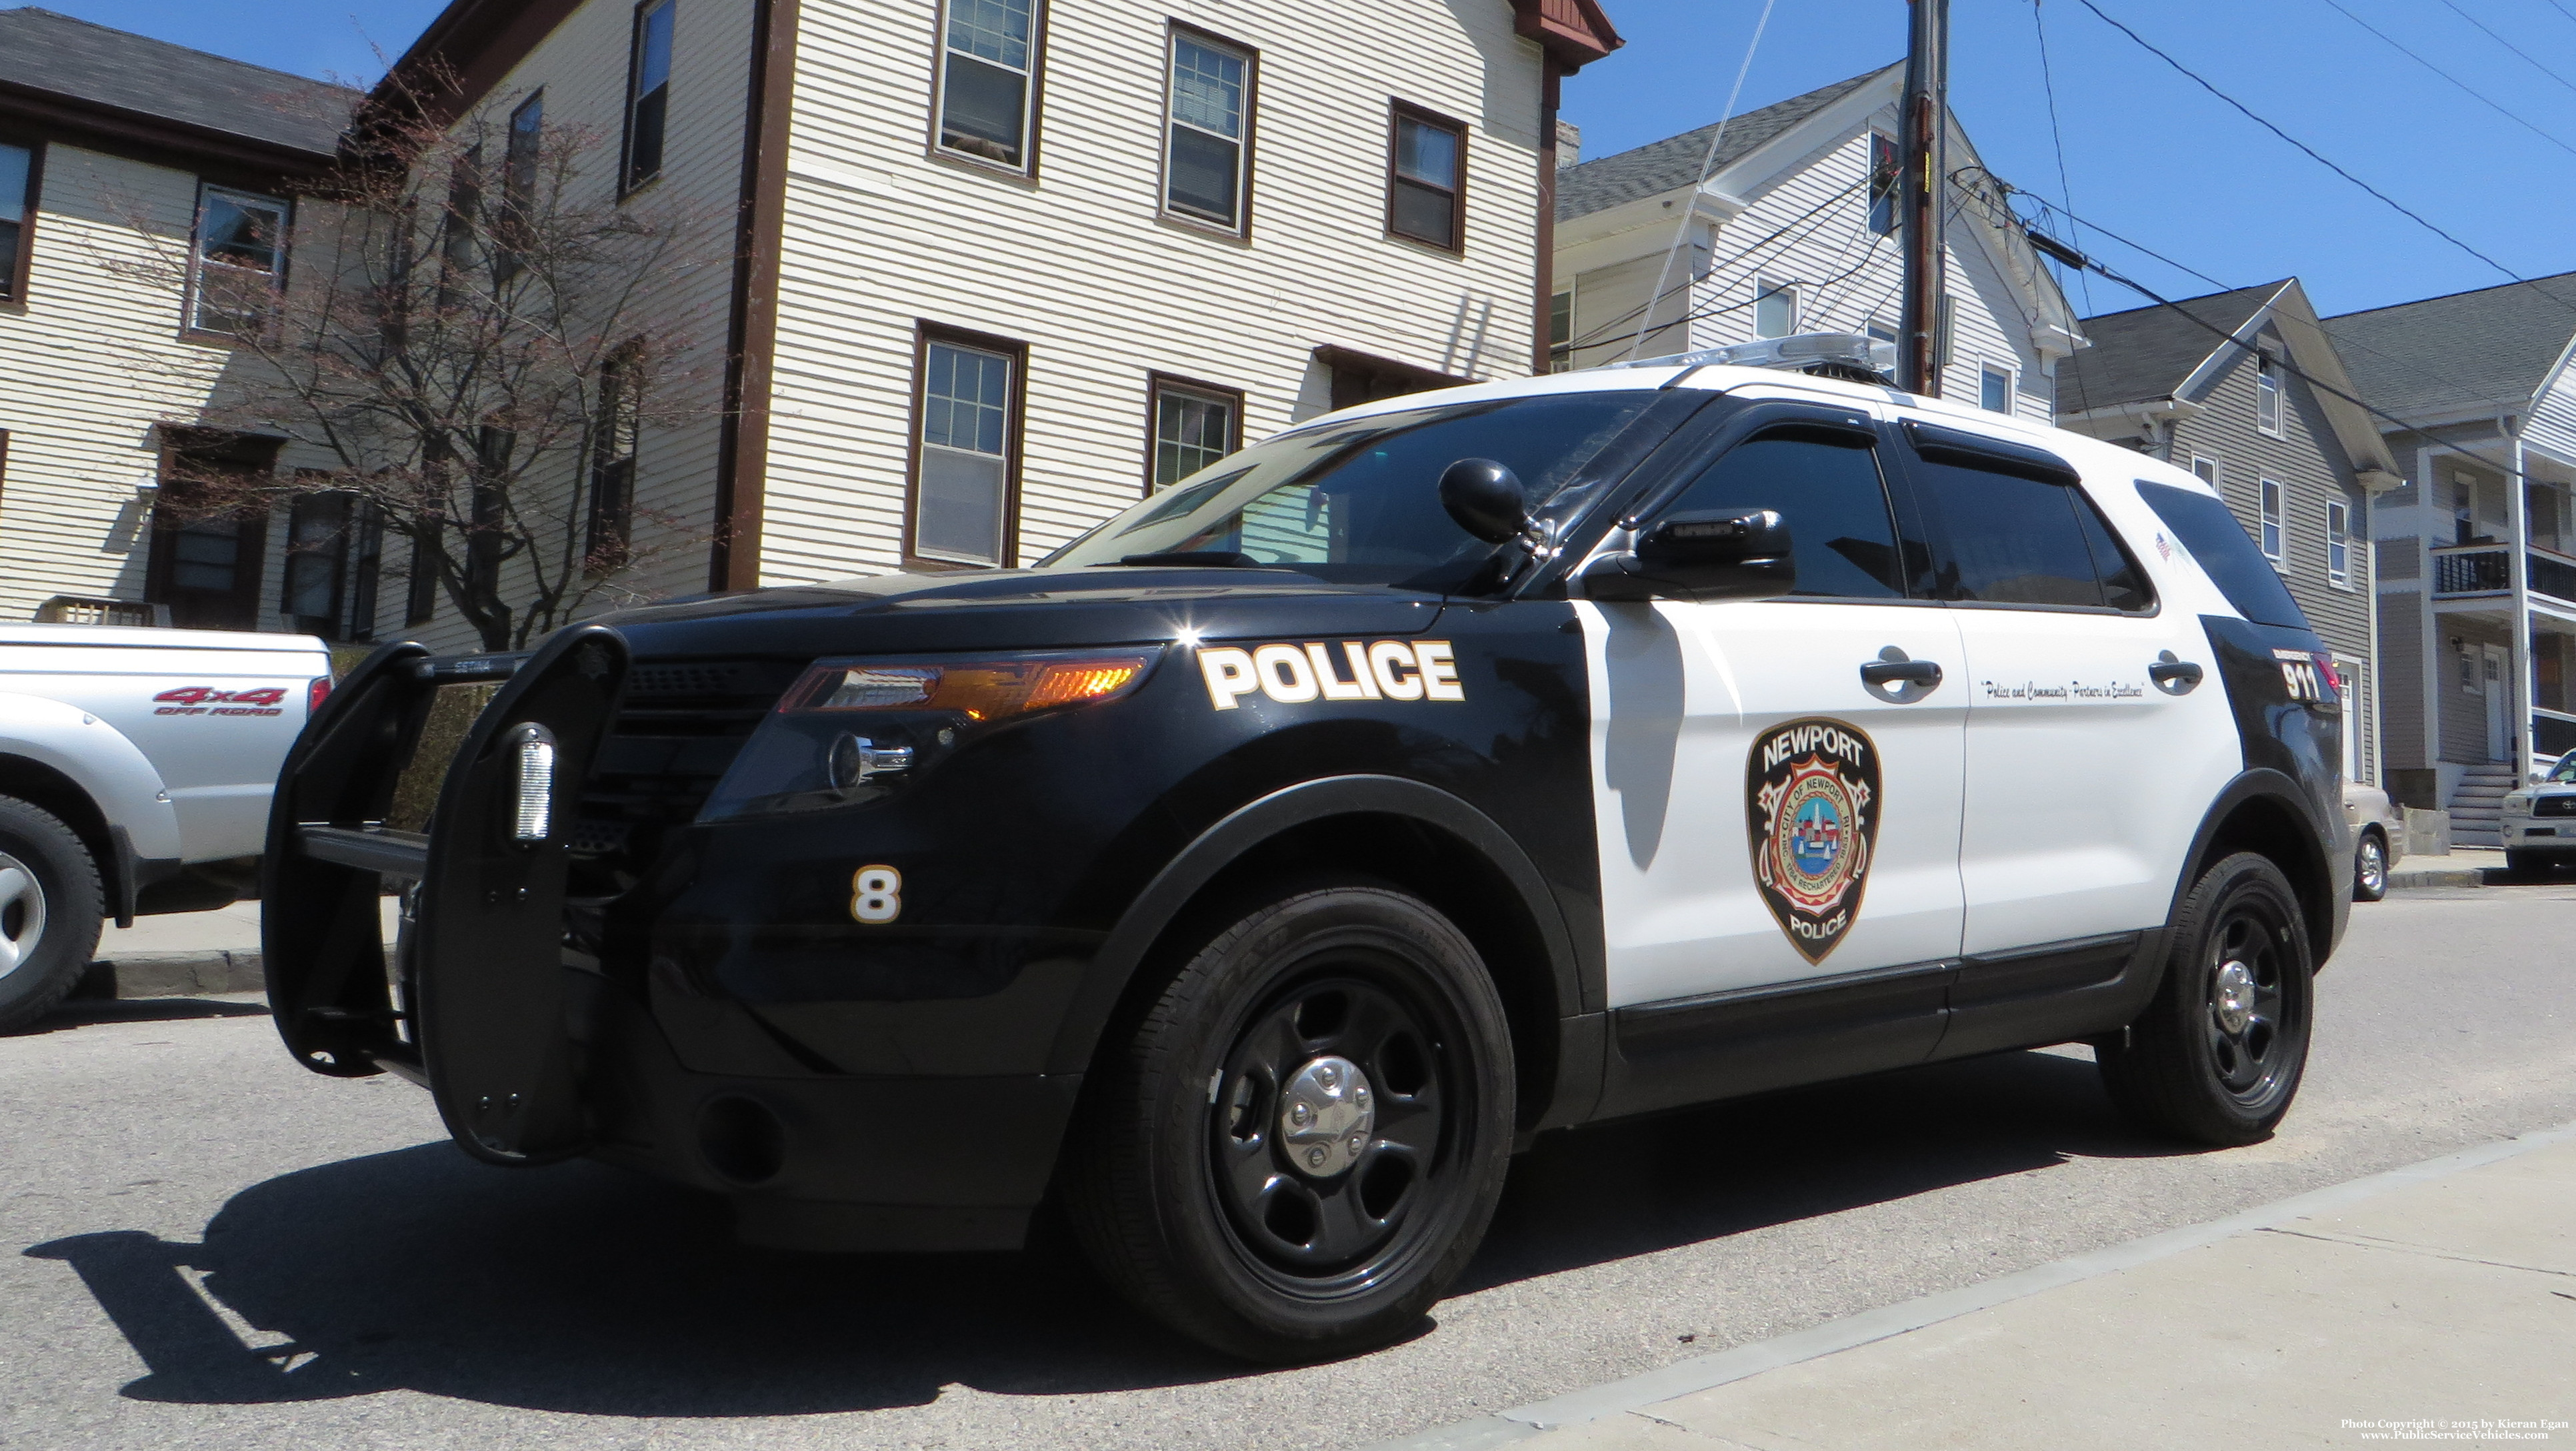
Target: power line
{"type": "Point", "coordinates": [1593, 338]}
{"type": "Point", "coordinates": [2313, 154]}
{"type": "Point", "coordinates": [2057, 137]}
{"type": "Point", "coordinates": [2480, 96]}
{"type": "Point", "coordinates": [2509, 45]}
{"type": "Point", "coordinates": [1854, 269]}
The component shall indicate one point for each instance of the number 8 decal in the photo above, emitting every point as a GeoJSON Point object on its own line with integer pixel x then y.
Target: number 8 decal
{"type": "Point", "coordinates": [876, 894]}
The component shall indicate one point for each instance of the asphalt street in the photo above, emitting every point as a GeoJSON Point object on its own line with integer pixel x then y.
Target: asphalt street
{"type": "Point", "coordinates": [215, 1250]}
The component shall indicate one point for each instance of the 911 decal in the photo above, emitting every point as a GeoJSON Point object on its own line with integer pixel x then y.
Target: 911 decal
{"type": "Point", "coordinates": [1293, 674]}
{"type": "Point", "coordinates": [2310, 679]}
{"type": "Point", "coordinates": [1811, 797]}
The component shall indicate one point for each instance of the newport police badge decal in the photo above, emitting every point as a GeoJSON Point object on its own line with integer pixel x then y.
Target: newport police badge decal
{"type": "Point", "coordinates": [1811, 807]}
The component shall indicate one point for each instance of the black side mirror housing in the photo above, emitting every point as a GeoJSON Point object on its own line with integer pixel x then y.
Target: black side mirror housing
{"type": "Point", "coordinates": [1485, 498]}
{"type": "Point", "coordinates": [1739, 554]}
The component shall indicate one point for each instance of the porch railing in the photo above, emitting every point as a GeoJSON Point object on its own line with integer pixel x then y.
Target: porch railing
{"type": "Point", "coordinates": [2472, 569]}
{"type": "Point", "coordinates": [2551, 574]}
{"type": "Point", "coordinates": [2552, 734]}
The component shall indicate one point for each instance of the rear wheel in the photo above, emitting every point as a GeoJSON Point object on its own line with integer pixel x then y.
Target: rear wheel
{"type": "Point", "coordinates": [2217, 1056]}
{"type": "Point", "coordinates": [1299, 1144]}
{"type": "Point", "coordinates": [2370, 868]}
{"type": "Point", "coordinates": [49, 912]}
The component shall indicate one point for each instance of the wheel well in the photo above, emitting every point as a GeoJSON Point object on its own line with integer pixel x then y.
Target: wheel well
{"type": "Point", "coordinates": [1419, 858]}
{"type": "Point", "coordinates": [2269, 829]}
{"type": "Point", "coordinates": [42, 786]}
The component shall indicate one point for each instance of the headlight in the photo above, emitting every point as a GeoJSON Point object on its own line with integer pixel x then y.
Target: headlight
{"type": "Point", "coordinates": [2517, 801]}
{"type": "Point", "coordinates": [850, 729]}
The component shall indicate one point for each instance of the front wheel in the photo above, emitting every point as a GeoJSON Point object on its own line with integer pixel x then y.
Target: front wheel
{"type": "Point", "coordinates": [2524, 862]}
{"type": "Point", "coordinates": [2370, 868]}
{"type": "Point", "coordinates": [50, 910]}
{"type": "Point", "coordinates": [1299, 1143]}
{"type": "Point", "coordinates": [2217, 1056]}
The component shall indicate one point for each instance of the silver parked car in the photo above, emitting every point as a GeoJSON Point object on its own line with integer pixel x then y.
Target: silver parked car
{"type": "Point", "coordinates": [2378, 839]}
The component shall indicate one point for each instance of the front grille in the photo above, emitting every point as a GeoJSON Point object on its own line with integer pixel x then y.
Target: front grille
{"type": "Point", "coordinates": [678, 730]}
{"type": "Point", "coordinates": [2554, 806]}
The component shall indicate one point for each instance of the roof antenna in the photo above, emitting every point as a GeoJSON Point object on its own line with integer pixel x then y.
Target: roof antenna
{"type": "Point", "coordinates": [1681, 224]}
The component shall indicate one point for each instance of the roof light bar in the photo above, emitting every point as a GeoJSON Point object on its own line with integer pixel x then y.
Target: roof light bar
{"type": "Point", "coordinates": [1840, 354]}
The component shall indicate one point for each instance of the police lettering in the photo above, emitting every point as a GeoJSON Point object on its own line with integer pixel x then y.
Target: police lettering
{"type": "Point", "coordinates": [1298, 672]}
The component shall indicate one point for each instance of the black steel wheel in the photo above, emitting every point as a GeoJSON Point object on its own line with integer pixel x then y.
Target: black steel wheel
{"type": "Point", "coordinates": [2218, 1054]}
{"type": "Point", "coordinates": [2370, 868]}
{"type": "Point", "coordinates": [1297, 1145]}
{"type": "Point", "coordinates": [50, 911]}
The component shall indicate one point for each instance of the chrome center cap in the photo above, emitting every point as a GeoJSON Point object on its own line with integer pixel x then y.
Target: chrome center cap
{"type": "Point", "coordinates": [2235, 1005]}
{"type": "Point", "coordinates": [1325, 1115]}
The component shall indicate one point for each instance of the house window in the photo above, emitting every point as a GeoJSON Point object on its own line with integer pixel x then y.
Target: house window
{"type": "Point", "coordinates": [1994, 388]}
{"type": "Point", "coordinates": [317, 553]}
{"type": "Point", "coordinates": [17, 218]}
{"type": "Point", "coordinates": [2338, 546]}
{"type": "Point", "coordinates": [240, 255]}
{"type": "Point", "coordinates": [1426, 179]}
{"type": "Point", "coordinates": [1880, 330]}
{"type": "Point", "coordinates": [519, 184]}
{"type": "Point", "coordinates": [368, 576]}
{"type": "Point", "coordinates": [617, 425]}
{"type": "Point", "coordinates": [2267, 394]}
{"type": "Point", "coordinates": [648, 91]}
{"type": "Point", "coordinates": [961, 488]}
{"type": "Point", "coordinates": [2205, 469]}
{"type": "Point", "coordinates": [1203, 161]}
{"type": "Point", "coordinates": [988, 79]}
{"type": "Point", "coordinates": [2273, 525]}
{"type": "Point", "coordinates": [420, 598]}
{"type": "Point", "coordinates": [1195, 424]}
{"type": "Point", "coordinates": [1882, 183]}
{"type": "Point", "coordinates": [1775, 308]}
{"type": "Point", "coordinates": [1560, 331]}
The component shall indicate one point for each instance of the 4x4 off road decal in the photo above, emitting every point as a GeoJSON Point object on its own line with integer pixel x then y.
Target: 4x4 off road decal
{"type": "Point", "coordinates": [1811, 806]}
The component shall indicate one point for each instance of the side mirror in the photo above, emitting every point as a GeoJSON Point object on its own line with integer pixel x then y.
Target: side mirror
{"type": "Point", "coordinates": [1734, 555]}
{"type": "Point", "coordinates": [1485, 498]}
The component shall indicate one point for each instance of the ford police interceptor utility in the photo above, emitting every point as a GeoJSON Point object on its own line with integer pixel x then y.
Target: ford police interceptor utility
{"type": "Point", "coordinates": [1253, 874]}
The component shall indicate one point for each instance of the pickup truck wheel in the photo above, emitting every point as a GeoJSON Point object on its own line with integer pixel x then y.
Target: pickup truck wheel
{"type": "Point", "coordinates": [2216, 1057]}
{"type": "Point", "coordinates": [49, 912]}
{"type": "Point", "coordinates": [1299, 1144]}
{"type": "Point", "coordinates": [2370, 868]}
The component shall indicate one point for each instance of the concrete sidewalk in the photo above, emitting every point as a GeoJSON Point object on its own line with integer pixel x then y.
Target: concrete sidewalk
{"type": "Point", "coordinates": [2465, 866]}
{"type": "Point", "coordinates": [184, 954]}
{"type": "Point", "coordinates": [2436, 1303]}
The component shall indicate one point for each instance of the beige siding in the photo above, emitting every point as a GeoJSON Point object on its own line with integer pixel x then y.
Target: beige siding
{"type": "Point", "coordinates": [1077, 264]}
{"type": "Point", "coordinates": [91, 361]}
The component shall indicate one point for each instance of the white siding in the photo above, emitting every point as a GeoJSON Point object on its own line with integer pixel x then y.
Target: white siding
{"type": "Point", "coordinates": [1077, 264]}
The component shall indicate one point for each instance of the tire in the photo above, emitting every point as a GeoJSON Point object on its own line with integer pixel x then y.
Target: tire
{"type": "Point", "coordinates": [2217, 1056]}
{"type": "Point", "coordinates": [2370, 868]}
{"type": "Point", "coordinates": [1194, 1192]}
{"type": "Point", "coordinates": [50, 908]}
{"type": "Point", "coordinates": [2523, 862]}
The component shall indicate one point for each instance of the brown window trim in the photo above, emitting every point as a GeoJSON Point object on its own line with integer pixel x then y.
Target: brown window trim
{"type": "Point", "coordinates": [4, 464]}
{"type": "Point", "coordinates": [15, 296]}
{"type": "Point", "coordinates": [1028, 169]}
{"type": "Point", "coordinates": [1241, 231]}
{"type": "Point", "coordinates": [1157, 383]}
{"type": "Point", "coordinates": [1397, 113]}
{"type": "Point", "coordinates": [924, 333]}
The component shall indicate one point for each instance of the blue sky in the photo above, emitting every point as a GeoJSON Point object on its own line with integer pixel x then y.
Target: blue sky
{"type": "Point", "coordinates": [2148, 154]}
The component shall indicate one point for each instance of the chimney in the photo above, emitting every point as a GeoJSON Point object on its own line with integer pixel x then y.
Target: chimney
{"type": "Point", "coordinates": [1569, 144]}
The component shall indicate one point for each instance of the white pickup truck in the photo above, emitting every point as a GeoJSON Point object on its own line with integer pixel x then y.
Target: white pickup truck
{"type": "Point", "coordinates": [135, 772]}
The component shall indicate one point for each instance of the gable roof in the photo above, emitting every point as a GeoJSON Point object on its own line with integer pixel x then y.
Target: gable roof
{"type": "Point", "coordinates": [59, 69]}
{"type": "Point", "coordinates": [1661, 166]}
{"type": "Point", "coordinates": [2491, 349]}
{"type": "Point", "coordinates": [2148, 352]}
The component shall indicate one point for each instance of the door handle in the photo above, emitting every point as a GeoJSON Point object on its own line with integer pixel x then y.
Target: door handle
{"type": "Point", "coordinates": [2175, 676]}
{"type": "Point", "coordinates": [1899, 681]}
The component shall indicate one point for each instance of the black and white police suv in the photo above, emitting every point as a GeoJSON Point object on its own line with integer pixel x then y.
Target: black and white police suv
{"type": "Point", "coordinates": [1253, 875]}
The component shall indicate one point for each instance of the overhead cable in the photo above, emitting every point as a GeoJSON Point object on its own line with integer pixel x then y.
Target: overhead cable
{"type": "Point", "coordinates": [1681, 224]}
{"type": "Point", "coordinates": [2480, 96]}
{"type": "Point", "coordinates": [2509, 45]}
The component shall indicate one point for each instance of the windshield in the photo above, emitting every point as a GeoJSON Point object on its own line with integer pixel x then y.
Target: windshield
{"type": "Point", "coordinates": [1359, 502]}
{"type": "Point", "coordinates": [2565, 769]}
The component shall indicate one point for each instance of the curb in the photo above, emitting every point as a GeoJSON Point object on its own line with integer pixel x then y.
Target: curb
{"type": "Point", "coordinates": [1706, 1372]}
{"type": "Point", "coordinates": [2438, 877]}
{"type": "Point", "coordinates": [172, 975]}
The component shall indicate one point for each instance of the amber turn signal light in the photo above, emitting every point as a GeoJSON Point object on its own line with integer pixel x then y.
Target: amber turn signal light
{"type": "Point", "coordinates": [979, 690]}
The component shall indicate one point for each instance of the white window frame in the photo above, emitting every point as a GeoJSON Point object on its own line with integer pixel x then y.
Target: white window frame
{"type": "Point", "coordinates": [1560, 355]}
{"type": "Point", "coordinates": [1164, 387]}
{"type": "Point", "coordinates": [1027, 165]}
{"type": "Point", "coordinates": [1174, 34]}
{"type": "Point", "coordinates": [2267, 396]}
{"type": "Point", "coordinates": [197, 262]}
{"type": "Point", "coordinates": [2339, 543]}
{"type": "Point", "coordinates": [2217, 470]}
{"type": "Point", "coordinates": [1987, 370]}
{"type": "Point", "coordinates": [2272, 503]}
{"type": "Point", "coordinates": [1765, 289]}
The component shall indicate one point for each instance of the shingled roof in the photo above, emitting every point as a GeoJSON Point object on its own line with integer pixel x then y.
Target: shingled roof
{"type": "Point", "coordinates": [2488, 349]}
{"type": "Point", "coordinates": [2147, 352]}
{"type": "Point", "coordinates": [99, 74]}
{"type": "Point", "coordinates": [1661, 166]}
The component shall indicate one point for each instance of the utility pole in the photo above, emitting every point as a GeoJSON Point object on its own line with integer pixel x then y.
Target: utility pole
{"type": "Point", "coordinates": [1923, 169]}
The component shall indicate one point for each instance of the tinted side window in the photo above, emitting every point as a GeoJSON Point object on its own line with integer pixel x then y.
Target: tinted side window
{"type": "Point", "coordinates": [1825, 483]}
{"type": "Point", "coordinates": [2218, 544]}
{"type": "Point", "coordinates": [2124, 585]}
{"type": "Point", "coordinates": [2005, 539]}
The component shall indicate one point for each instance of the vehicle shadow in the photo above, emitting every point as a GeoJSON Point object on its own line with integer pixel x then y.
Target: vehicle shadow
{"type": "Point", "coordinates": [77, 1012]}
{"type": "Point", "coordinates": [586, 1289]}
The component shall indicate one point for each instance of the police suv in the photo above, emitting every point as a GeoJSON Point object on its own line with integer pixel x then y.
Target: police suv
{"type": "Point", "coordinates": [1253, 875]}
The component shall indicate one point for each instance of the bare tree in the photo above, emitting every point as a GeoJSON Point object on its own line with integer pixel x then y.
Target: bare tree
{"type": "Point", "coordinates": [474, 331]}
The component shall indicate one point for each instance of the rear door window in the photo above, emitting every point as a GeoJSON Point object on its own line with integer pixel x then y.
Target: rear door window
{"type": "Point", "coordinates": [2006, 540]}
{"type": "Point", "coordinates": [2218, 543]}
